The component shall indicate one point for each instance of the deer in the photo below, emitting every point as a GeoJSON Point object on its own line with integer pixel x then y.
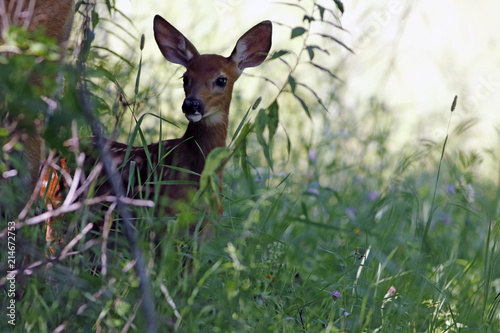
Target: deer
{"type": "Point", "coordinates": [208, 83]}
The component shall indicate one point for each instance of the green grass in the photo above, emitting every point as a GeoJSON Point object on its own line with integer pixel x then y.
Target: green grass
{"type": "Point", "coordinates": [326, 230]}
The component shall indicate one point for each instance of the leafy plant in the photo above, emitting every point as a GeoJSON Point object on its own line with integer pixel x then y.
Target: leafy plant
{"type": "Point", "coordinates": [325, 229]}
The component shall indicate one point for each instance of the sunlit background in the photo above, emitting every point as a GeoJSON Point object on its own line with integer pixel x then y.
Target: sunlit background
{"type": "Point", "coordinates": [414, 56]}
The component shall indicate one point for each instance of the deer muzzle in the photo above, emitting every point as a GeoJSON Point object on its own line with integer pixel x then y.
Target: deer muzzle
{"type": "Point", "coordinates": [193, 109]}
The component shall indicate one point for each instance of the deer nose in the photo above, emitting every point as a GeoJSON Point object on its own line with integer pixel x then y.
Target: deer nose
{"type": "Point", "coordinates": [192, 106]}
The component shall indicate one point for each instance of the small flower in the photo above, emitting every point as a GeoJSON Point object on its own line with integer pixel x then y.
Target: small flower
{"type": "Point", "coordinates": [10, 173]}
{"type": "Point", "coordinates": [469, 193]}
{"type": "Point", "coordinates": [451, 189]}
{"type": "Point", "coordinates": [313, 188]}
{"type": "Point", "coordinates": [312, 155]}
{"type": "Point", "coordinates": [313, 191]}
{"type": "Point", "coordinates": [445, 218]}
{"type": "Point", "coordinates": [344, 312]}
{"type": "Point", "coordinates": [373, 195]}
{"type": "Point", "coordinates": [351, 213]}
{"type": "Point", "coordinates": [390, 292]}
{"type": "Point", "coordinates": [335, 295]}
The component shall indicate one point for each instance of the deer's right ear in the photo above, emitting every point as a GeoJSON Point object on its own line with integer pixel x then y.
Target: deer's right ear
{"type": "Point", "coordinates": [173, 45]}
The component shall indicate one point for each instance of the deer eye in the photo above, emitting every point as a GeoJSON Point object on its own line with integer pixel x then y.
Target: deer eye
{"type": "Point", "coordinates": [185, 81]}
{"type": "Point", "coordinates": [221, 82]}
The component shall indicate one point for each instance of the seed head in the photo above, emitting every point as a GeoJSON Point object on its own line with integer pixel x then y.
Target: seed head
{"type": "Point", "coordinates": [454, 104]}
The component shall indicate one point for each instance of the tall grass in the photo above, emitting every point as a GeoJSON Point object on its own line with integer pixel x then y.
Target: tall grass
{"type": "Point", "coordinates": [324, 230]}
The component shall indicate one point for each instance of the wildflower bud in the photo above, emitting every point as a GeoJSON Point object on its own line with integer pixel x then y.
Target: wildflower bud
{"type": "Point", "coordinates": [454, 104]}
{"type": "Point", "coordinates": [335, 295]}
{"type": "Point", "coordinates": [312, 154]}
{"type": "Point", "coordinates": [256, 103]}
{"type": "Point", "coordinates": [142, 42]}
{"type": "Point", "coordinates": [390, 292]}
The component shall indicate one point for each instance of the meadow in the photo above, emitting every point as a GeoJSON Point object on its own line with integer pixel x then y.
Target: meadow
{"type": "Point", "coordinates": [325, 228]}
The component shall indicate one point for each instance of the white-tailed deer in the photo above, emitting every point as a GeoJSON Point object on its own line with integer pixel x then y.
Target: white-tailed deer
{"type": "Point", "coordinates": [208, 85]}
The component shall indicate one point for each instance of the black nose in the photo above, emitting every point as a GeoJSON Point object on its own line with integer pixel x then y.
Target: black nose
{"type": "Point", "coordinates": [192, 105]}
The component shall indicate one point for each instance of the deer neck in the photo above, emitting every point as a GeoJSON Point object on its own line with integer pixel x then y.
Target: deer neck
{"type": "Point", "coordinates": [208, 133]}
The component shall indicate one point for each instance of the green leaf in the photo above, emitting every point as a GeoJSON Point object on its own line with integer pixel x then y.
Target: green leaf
{"type": "Point", "coordinates": [212, 164]}
{"type": "Point", "coordinates": [95, 19]}
{"type": "Point", "coordinates": [245, 131]}
{"type": "Point", "coordinates": [288, 145]}
{"type": "Point", "coordinates": [279, 53]}
{"type": "Point", "coordinates": [316, 47]}
{"type": "Point", "coordinates": [296, 32]}
{"type": "Point", "coordinates": [109, 6]}
{"type": "Point", "coordinates": [137, 131]}
{"type": "Point", "coordinates": [273, 119]}
{"type": "Point", "coordinates": [310, 50]}
{"type": "Point", "coordinates": [325, 70]}
{"type": "Point", "coordinates": [77, 6]}
{"type": "Point", "coordinates": [336, 40]}
{"type": "Point", "coordinates": [131, 174]}
{"type": "Point", "coordinates": [243, 122]}
{"type": "Point", "coordinates": [245, 166]}
{"type": "Point", "coordinates": [215, 159]}
{"type": "Point", "coordinates": [119, 56]}
{"type": "Point", "coordinates": [340, 5]}
{"type": "Point", "coordinates": [260, 126]}
{"type": "Point", "coordinates": [171, 182]}
{"type": "Point", "coordinates": [292, 83]}
{"type": "Point", "coordinates": [308, 18]}
{"type": "Point", "coordinates": [304, 105]}
{"type": "Point", "coordinates": [321, 12]}
{"type": "Point", "coordinates": [314, 94]}
{"type": "Point", "coordinates": [187, 171]}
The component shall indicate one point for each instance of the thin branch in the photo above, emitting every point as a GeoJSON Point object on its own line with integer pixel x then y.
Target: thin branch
{"type": "Point", "coordinates": [140, 267]}
{"type": "Point", "coordinates": [74, 241]}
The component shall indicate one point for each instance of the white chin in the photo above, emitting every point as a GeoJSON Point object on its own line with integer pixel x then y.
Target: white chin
{"type": "Point", "coordinates": [196, 117]}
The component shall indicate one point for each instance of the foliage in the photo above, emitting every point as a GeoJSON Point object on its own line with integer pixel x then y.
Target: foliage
{"type": "Point", "coordinates": [328, 232]}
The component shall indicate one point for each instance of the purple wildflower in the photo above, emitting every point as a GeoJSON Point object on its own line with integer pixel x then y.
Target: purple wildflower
{"type": "Point", "coordinates": [335, 295]}
{"type": "Point", "coordinates": [451, 189]}
{"type": "Point", "coordinates": [373, 195]}
{"type": "Point", "coordinates": [312, 155]}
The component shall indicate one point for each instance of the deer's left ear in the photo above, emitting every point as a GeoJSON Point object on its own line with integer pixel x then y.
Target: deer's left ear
{"type": "Point", "coordinates": [252, 48]}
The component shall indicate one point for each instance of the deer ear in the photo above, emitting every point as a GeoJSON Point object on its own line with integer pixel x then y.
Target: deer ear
{"type": "Point", "coordinates": [252, 48]}
{"type": "Point", "coordinates": [173, 45]}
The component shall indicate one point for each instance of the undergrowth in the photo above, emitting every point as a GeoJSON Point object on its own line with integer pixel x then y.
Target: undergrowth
{"type": "Point", "coordinates": [325, 228]}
